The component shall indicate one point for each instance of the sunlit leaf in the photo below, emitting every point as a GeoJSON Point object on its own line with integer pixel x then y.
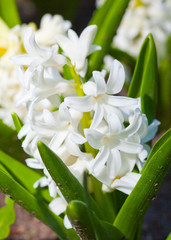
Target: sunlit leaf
{"type": "Point", "coordinates": [106, 31]}
{"type": "Point", "coordinates": [22, 174]}
{"type": "Point", "coordinates": [145, 191]}
{"type": "Point", "coordinates": [35, 205]}
{"type": "Point", "coordinates": [9, 12]}
{"type": "Point", "coordinates": [144, 82]}
{"type": "Point", "coordinates": [68, 184]}
{"type": "Point", "coordinates": [80, 217]}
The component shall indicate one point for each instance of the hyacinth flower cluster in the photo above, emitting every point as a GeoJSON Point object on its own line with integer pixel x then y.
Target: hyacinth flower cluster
{"type": "Point", "coordinates": [86, 123]}
{"type": "Point", "coordinates": [11, 43]}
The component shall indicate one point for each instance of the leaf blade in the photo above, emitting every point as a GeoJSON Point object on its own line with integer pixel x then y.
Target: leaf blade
{"type": "Point", "coordinates": [144, 82]}
{"type": "Point", "coordinates": [145, 191]}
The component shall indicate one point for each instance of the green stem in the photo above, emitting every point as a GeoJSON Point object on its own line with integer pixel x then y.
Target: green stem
{"type": "Point", "coordinates": [86, 119]}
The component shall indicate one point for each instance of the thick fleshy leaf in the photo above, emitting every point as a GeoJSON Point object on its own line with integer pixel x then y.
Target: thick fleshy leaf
{"type": "Point", "coordinates": [169, 237]}
{"type": "Point", "coordinates": [164, 106]}
{"type": "Point", "coordinates": [107, 29]}
{"type": "Point", "coordinates": [69, 186]}
{"type": "Point", "coordinates": [146, 189]}
{"type": "Point", "coordinates": [35, 205]}
{"type": "Point", "coordinates": [7, 217]}
{"type": "Point", "coordinates": [9, 12]}
{"type": "Point", "coordinates": [85, 226]}
{"type": "Point", "coordinates": [14, 149]}
{"type": "Point", "coordinates": [100, 13]}
{"type": "Point", "coordinates": [145, 78]}
{"type": "Point", "coordinates": [19, 172]}
{"type": "Point", "coordinates": [17, 122]}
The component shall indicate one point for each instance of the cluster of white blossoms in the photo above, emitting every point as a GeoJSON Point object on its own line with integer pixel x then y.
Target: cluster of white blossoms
{"type": "Point", "coordinates": [86, 124]}
{"type": "Point", "coordinates": [11, 43]}
{"type": "Point", "coordinates": [141, 18]}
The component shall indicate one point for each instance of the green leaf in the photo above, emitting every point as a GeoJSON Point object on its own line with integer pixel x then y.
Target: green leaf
{"type": "Point", "coordinates": [9, 12]}
{"type": "Point", "coordinates": [35, 205]}
{"type": "Point", "coordinates": [145, 191]}
{"type": "Point", "coordinates": [157, 146]}
{"type": "Point", "coordinates": [145, 78]}
{"type": "Point", "coordinates": [17, 122]}
{"type": "Point", "coordinates": [169, 237]}
{"type": "Point", "coordinates": [69, 186]}
{"type": "Point", "coordinates": [14, 148]}
{"type": "Point", "coordinates": [106, 32]}
{"type": "Point", "coordinates": [100, 13]}
{"type": "Point", "coordinates": [79, 214]}
{"type": "Point", "coordinates": [19, 172]}
{"type": "Point", "coordinates": [164, 106]}
{"type": "Point", "coordinates": [7, 217]}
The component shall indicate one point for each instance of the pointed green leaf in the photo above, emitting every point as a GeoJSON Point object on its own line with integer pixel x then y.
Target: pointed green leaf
{"type": "Point", "coordinates": [68, 184]}
{"type": "Point", "coordinates": [164, 106]}
{"type": "Point", "coordinates": [100, 13]}
{"type": "Point", "coordinates": [169, 237]}
{"type": "Point", "coordinates": [64, 179]}
{"type": "Point", "coordinates": [157, 146]}
{"type": "Point", "coordinates": [105, 33]}
{"type": "Point", "coordinates": [80, 217]}
{"type": "Point", "coordinates": [7, 217]}
{"type": "Point", "coordinates": [145, 191]}
{"type": "Point", "coordinates": [14, 148]}
{"type": "Point", "coordinates": [36, 207]}
{"type": "Point", "coordinates": [9, 12]}
{"type": "Point", "coordinates": [17, 122]}
{"type": "Point", "coordinates": [145, 78]}
{"type": "Point", "coordinates": [19, 172]}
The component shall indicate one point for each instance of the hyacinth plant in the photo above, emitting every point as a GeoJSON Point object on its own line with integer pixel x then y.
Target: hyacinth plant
{"type": "Point", "coordinates": [90, 171]}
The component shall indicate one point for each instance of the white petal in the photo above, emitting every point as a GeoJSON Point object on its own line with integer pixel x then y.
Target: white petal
{"type": "Point", "coordinates": [152, 130]}
{"type": "Point", "coordinates": [52, 189]}
{"type": "Point", "coordinates": [58, 206]}
{"type": "Point", "coordinates": [34, 163]}
{"type": "Point", "coordinates": [116, 78]}
{"type": "Point", "coordinates": [89, 88]}
{"type": "Point", "coordinates": [82, 104]}
{"type": "Point", "coordinates": [57, 140]}
{"type": "Point", "coordinates": [42, 182]}
{"type": "Point", "coordinates": [129, 147]}
{"type": "Point", "coordinates": [100, 82]}
{"type": "Point", "coordinates": [99, 162]}
{"type": "Point", "coordinates": [64, 113]}
{"type": "Point", "coordinates": [98, 116]}
{"type": "Point", "coordinates": [78, 138]}
{"type": "Point", "coordinates": [67, 223]}
{"type": "Point", "coordinates": [86, 39]}
{"type": "Point", "coordinates": [118, 101]}
{"type": "Point", "coordinates": [127, 183]}
{"type": "Point", "coordinates": [94, 138]}
{"type": "Point", "coordinates": [114, 122]}
{"type": "Point", "coordinates": [114, 163]}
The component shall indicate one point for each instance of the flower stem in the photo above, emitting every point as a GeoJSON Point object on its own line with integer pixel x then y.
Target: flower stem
{"type": "Point", "coordinates": [86, 119]}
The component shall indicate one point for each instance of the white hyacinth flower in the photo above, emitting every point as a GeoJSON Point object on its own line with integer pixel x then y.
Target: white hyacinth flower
{"type": "Point", "coordinates": [78, 48]}
{"type": "Point", "coordinates": [141, 18]}
{"type": "Point", "coordinates": [118, 139]}
{"type": "Point", "coordinates": [50, 27]}
{"type": "Point", "coordinates": [38, 56]}
{"type": "Point", "coordinates": [99, 96]}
